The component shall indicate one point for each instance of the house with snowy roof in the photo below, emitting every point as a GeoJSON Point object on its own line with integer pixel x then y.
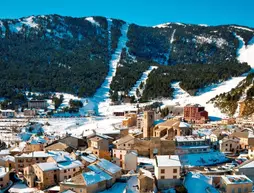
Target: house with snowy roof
{"type": "Point", "coordinates": [27, 159]}
{"type": "Point", "coordinates": [86, 182]}
{"type": "Point", "coordinates": [68, 143]}
{"type": "Point", "coordinates": [7, 161]}
{"type": "Point", "coordinates": [57, 168]}
{"type": "Point", "coordinates": [246, 168]}
{"type": "Point", "coordinates": [99, 146]}
{"type": "Point", "coordinates": [167, 170]}
{"type": "Point", "coordinates": [4, 177]}
{"type": "Point", "coordinates": [84, 157]}
{"type": "Point", "coordinates": [110, 168]}
{"type": "Point", "coordinates": [146, 181]}
{"type": "Point", "coordinates": [243, 136]}
{"type": "Point", "coordinates": [229, 144]}
{"type": "Point", "coordinates": [235, 183]}
{"type": "Point", "coordinates": [102, 175]}
{"type": "Point", "coordinates": [126, 159]}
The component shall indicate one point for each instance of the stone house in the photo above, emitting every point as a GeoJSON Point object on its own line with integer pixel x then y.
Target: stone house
{"type": "Point", "coordinates": [146, 182]}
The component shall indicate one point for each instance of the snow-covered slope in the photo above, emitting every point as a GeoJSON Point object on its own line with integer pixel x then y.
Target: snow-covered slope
{"type": "Point", "coordinates": [183, 98]}
{"type": "Point", "coordinates": [245, 54]}
{"type": "Point", "coordinates": [100, 102]}
{"type": "Point", "coordinates": [142, 79]}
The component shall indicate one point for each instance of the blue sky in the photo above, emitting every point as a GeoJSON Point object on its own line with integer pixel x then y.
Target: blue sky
{"type": "Point", "coordinates": [143, 12]}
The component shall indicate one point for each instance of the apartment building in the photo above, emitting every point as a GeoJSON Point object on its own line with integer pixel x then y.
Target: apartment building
{"type": "Point", "coordinates": [167, 170]}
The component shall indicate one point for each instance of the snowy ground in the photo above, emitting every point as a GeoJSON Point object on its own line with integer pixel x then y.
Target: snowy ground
{"type": "Point", "coordinates": [143, 79]}
{"type": "Point", "coordinates": [80, 126]}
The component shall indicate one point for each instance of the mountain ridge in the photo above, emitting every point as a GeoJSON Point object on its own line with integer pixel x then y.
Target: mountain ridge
{"type": "Point", "coordinates": [61, 46]}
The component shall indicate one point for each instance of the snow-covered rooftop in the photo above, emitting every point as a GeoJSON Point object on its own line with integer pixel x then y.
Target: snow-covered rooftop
{"type": "Point", "coordinates": [89, 158]}
{"type": "Point", "coordinates": [70, 164]}
{"type": "Point", "coordinates": [93, 178]}
{"type": "Point", "coordinates": [188, 138]}
{"type": "Point", "coordinates": [248, 165]}
{"type": "Point", "coordinates": [99, 171]}
{"type": "Point", "coordinates": [167, 160]}
{"type": "Point", "coordinates": [35, 154]}
{"type": "Point", "coordinates": [48, 166]}
{"type": "Point", "coordinates": [236, 179]}
{"type": "Point", "coordinates": [108, 166]}
{"type": "Point", "coordinates": [198, 183]}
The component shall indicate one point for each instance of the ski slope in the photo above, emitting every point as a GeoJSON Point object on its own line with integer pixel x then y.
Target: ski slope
{"type": "Point", "coordinates": [244, 54]}
{"type": "Point", "coordinates": [100, 102]}
{"type": "Point", "coordinates": [143, 79]}
{"type": "Point", "coordinates": [170, 47]}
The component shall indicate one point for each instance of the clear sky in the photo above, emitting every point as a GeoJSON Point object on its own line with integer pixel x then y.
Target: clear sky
{"type": "Point", "coordinates": [143, 12]}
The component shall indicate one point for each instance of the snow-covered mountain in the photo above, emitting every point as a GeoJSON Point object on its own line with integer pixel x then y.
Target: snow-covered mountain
{"type": "Point", "coordinates": [79, 55]}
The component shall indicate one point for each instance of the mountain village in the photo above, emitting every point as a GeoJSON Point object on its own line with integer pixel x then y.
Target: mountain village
{"type": "Point", "coordinates": [144, 152]}
{"type": "Point", "coordinates": [100, 106]}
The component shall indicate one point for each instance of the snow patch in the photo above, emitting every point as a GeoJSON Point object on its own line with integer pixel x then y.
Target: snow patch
{"type": "Point", "coordinates": [167, 25]}
{"type": "Point", "coordinates": [243, 28]}
{"type": "Point", "coordinates": [92, 20]}
{"type": "Point", "coordinates": [245, 53]}
{"type": "Point", "coordinates": [29, 21]}
{"type": "Point", "coordinates": [220, 42]}
{"type": "Point", "coordinates": [3, 29]}
{"type": "Point", "coordinates": [203, 25]}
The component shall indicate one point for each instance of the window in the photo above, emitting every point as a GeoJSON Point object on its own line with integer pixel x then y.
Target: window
{"type": "Point", "coordinates": [162, 177]}
{"type": "Point", "coordinates": [174, 171]}
{"type": "Point", "coordinates": [64, 171]}
{"type": "Point", "coordinates": [129, 144]}
{"type": "Point", "coordinates": [74, 169]}
{"type": "Point", "coordinates": [1, 179]}
{"type": "Point", "coordinates": [69, 176]}
{"type": "Point", "coordinates": [226, 144]}
{"type": "Point", "coordinates": [37, 158]}
{"type": "Point", "coordinates": [80, 190]}
{"type": "Point", "coordinates": [114, 155]}
{"type": "Point", "coordinates": [123, 144]}
{"type": "Point", "coordinates": [174, 177]}
{"type": "Point", "coordinates": [163, 171]}
{"type": "Point", "coordinates": [43, 158]}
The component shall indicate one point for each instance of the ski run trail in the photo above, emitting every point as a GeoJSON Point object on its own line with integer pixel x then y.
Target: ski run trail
{"type": "Point", "coordinates": [143, 79]}
{"type": "Point", "coordinates": [100, 102]}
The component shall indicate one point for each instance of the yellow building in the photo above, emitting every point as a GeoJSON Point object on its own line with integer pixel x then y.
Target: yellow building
{"type": "Point", "coordinates": [57, 168]}
{"type": "Point", "coordinates": [130, 120]}
{"type": "Point", "coordinates": [235, 183]}
{"type": "Point", "coordinates": [42, 175]}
